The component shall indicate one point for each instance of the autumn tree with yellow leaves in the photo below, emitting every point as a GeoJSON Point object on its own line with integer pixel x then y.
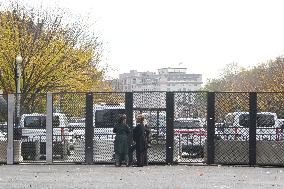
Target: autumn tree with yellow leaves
{"type": "Point", "coordinates": [57, 55]}
{"type": "Point", "coordinates": [266, 79]}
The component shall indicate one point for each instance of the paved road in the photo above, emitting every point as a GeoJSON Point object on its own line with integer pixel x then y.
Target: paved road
{"type": "Point", "coordinates": [108, 176]}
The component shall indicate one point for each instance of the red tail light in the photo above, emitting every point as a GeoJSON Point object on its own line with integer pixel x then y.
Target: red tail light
{"type": "Point", "coordinates": [195, 132]}
{"type": "Point", "coordinates": [62, 134]}
{"type": "Point", "coordinates": [236, 131]}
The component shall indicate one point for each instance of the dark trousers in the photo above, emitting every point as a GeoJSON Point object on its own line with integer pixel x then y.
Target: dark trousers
{"type": "Point", "coordinates": [140, 156]}
{"type": "Point", "coordinates": [145, 157]}
{"type": "Point", "coordinates": [121, 157]}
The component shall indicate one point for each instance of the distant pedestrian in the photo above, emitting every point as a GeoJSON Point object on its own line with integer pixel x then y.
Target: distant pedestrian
{"type": "Point", "coordinates": [140, 140]}
{"type": "Point", "coordinates": [121, 141]}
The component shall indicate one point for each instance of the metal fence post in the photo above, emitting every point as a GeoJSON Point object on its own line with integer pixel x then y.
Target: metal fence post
{"type": "Point", "coordinates": [170, 127]}
{"type": "Point", "coordinates": [89, 130]}
{"type": "Point", "coordinates": [210, 127]}
{"type": "Point", "coordinates": [10, 127]}
{"type": "Point", "coordinates": [49, 131]}
{"type": "Point", "coordinates": [129, 115]}
{"type": "Point", "coordinates": [252, 127]}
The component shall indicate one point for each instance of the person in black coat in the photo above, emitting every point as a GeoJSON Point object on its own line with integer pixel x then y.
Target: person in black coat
{"type": "Point", "coordinates": [147, 134]}
{"type": "Point", "coordinates": [121, 141]}
{"type": "Point", "coordinates": [140, 140]}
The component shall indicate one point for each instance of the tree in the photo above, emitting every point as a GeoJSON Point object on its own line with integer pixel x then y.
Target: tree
{"type": "Point", "coordinates": [266, 77]}
{"type": "Point", "coordinates": [225, 81]}
{"type": "Point", "coordinates": [231, 69]}
{"type": "Point", "coordinates": [57, 55]}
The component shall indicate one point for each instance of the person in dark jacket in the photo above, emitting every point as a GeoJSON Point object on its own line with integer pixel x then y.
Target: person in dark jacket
{"type": "Point", "coordinates": [140, 140]}
{"type": "Point", "coordinates": [121, 141]}
{"type": "Point", "coordinates": [147, 142]}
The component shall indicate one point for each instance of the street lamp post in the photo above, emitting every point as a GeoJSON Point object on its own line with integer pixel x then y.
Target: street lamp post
{"type": "Point", "coordinates": [19, 60]}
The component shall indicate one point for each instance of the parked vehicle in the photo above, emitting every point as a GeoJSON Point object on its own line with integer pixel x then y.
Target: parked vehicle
{"type": "Point", "coordinates": [77, 126]}
{"type": "Point", "coordinates": [236, 126]}
{"type": "Point", "coordinates": [76, 122]}
{"type": "Point", "coordinates": [281, 123]}
{"type": "Point", "coordinates": [34, 130]}
{"type": "Point", "coordinates": [3, 136]}
{"type": "Point", "coordinates": [156, 121]}
{"type": "Point", "coordinates": [192, 135]}
{"type": "Point", "coordinates": [3, 127]}
{"type": "Point", "coordinates": [104, 118]}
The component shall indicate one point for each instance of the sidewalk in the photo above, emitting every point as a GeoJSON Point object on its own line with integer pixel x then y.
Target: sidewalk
{"type": "Point", "coordinates": [108, 176]}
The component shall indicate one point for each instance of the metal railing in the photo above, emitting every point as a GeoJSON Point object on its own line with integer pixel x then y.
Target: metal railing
{"type": "Point", "coordinates": [186, 127]}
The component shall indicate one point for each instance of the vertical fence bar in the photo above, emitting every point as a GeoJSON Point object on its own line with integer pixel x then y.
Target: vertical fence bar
{"type": "Point", "coordinates": [210, 127]}
{"type": "Point", "coordinates": [170, 127]}
{"type": "Point", "coordinates": [129, 121]}
{"type": "Point", "coordinates": [10, 127]}
{"type": "Point", "coordinates": [252, 127]}
{"type": "Point", "coordinates": [49, 132]}
{"type": "Point", "coordinates": [89, 129]}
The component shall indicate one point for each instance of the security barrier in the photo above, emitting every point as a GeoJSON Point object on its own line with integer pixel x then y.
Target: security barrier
{"type": "Point", "coordinates": [192, 127]}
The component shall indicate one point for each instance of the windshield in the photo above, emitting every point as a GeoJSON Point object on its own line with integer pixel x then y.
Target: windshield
{"type": "Point", "coordinates": [40, 121]}
{"type": "Point", "coordinates": [107, 117]}
{"type": "Point", "coordinates": [262, 120]}
{"type": "Point", "coordinates": [35, 122]}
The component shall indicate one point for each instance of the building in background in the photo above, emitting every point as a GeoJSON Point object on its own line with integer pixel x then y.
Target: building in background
{"type": "Point", "coordinates": [167, 79]}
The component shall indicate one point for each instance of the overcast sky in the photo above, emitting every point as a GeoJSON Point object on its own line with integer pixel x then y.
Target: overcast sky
{"type": "Point", "coordinates": [201, 35]}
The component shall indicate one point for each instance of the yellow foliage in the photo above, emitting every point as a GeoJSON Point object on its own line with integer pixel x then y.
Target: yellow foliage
{"type": "Point", "coordinates": [53, 61]}
{"type": "Point", "coordinates": [266, 79]}
{"type": "Point", "coordinates": [56, 57]}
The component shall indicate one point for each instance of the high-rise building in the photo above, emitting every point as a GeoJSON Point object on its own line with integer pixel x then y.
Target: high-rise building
{"type": "Point", "coordinates": [167, 79]}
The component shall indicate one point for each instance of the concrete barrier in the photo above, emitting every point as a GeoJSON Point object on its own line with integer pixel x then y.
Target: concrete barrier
{"type": "Point", "coordinates": [270, 152]}
{"type": "Point", "coordinates": [231, 152]}
{"type": "Point", "coordinates": [31, 150]}
{"type": "Point", "coordinates": [17, 151]}
{"type": "Point", "coordinates": [237, 152]}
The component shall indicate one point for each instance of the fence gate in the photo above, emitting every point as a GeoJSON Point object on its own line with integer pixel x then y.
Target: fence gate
{"type": "Point", "coordinates": [30, 128]}
{"type": "Point", "coordinates": [190, 112]}
{"type": "Point", "coordinates": [186, 127]}
{"type": "Point", "coordinates": [153, 106]}
{"type": "Point", "coordinates": [68, 127]}
{"type": "Point", "coordinates": [269, 131]}
{"type": "Point", "coordinates": [231, 138]}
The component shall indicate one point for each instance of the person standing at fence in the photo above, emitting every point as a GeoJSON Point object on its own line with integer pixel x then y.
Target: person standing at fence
{"type": "Point", "coordinates": [140, 140]}
{"type": "Point", "coordinates": [121, 141]}
{"type": "Point", "coordinates": [147, 134]}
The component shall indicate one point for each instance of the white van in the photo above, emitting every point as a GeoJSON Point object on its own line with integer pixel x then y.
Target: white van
{"type": "Point", "coordinates": [105, 116]}
{"type": "Point", "coordinates": [34, 126]}
{"type": "Point", "coordinates": [236, 126]}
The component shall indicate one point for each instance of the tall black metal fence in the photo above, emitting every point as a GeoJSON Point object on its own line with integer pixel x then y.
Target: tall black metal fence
{"type": "Point", "coordinates": [186, 127]}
